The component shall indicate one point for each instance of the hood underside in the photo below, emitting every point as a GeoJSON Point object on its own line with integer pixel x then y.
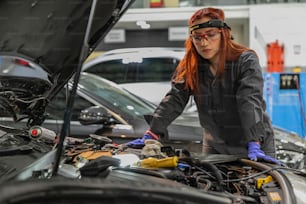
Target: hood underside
{"type": "Point", "coordinates": [51, 32]}
{"type": "Point", "coordinates": [49, 36]}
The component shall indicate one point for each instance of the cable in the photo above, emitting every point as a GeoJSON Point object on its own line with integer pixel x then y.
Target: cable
{"type": "Point", "coordinates": [282, 181]}
{"type": "Point", "coordinates": [254, 175]}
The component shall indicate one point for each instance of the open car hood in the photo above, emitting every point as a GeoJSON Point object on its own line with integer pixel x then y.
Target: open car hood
{"type": "Point", "coordinates": [41, 43]}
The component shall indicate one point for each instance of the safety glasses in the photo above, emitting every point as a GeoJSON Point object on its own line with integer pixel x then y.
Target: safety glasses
{"type": "Point", "coordinates": [209, 36]}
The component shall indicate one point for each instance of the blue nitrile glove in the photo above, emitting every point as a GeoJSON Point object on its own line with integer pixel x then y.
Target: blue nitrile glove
{"type": "Point", "coordinates": [139, 143]}
{"type": "Point", "coordinates": [255, 153]}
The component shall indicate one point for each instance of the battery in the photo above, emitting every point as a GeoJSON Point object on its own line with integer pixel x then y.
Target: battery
{"type": "Point", "coordinates": [38, 132]}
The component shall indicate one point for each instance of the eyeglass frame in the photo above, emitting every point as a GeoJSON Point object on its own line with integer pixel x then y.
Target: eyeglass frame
{"type": "Point", "coordinates": [205, 36]}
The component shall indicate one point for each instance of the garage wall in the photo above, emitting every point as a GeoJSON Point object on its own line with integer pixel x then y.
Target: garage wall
{"type": "Point", "coordinates": [142, 38]}
{"type": "Point", "coordinates": [160, 38]}
{"type": "Point", "coordinates": [284, 23]}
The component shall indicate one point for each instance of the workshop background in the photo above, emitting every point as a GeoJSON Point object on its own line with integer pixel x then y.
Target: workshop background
{"type": "Point", "coordinates": [274, 28]}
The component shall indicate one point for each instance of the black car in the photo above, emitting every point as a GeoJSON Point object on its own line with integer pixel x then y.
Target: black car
{"type": "Point", "coordinates": [51, 39]}
{"type": "Point", "coordinates": [103, 108]}
{"type": "Point", "coordinates": [121, 114]}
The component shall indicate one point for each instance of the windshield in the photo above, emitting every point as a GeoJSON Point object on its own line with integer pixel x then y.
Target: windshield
{"type": "Point", "coordinates": [114, 96]}
{"type": "Point", "coordinates": [132, 68]}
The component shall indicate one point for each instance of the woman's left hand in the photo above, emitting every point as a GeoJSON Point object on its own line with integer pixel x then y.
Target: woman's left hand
{"type": "Point", "coordinates": [255, 153]}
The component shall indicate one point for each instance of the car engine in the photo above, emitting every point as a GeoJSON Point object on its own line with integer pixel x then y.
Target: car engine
{"type": "Point", "coordinates": [237, 179]}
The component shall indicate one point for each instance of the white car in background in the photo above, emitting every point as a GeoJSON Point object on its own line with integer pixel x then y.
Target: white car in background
{"type": "Point", "coordinates": [145, 72]}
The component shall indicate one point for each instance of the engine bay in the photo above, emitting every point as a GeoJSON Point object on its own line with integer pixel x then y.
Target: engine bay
{"type": "Point", "coordinates": [238, 179]}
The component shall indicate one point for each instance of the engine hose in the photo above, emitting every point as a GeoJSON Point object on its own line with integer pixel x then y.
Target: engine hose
{"type": "Point", "coordinates": [216, 172]}
{"type": "Point", "coordinates": [286, 196]}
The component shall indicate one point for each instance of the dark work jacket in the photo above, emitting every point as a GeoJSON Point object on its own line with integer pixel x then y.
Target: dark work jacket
{"type": "Point", "coordinates": [231, 109]}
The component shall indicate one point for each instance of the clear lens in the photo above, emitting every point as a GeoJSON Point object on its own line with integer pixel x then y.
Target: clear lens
{"type": "Point", "coordinates": [209, 36]}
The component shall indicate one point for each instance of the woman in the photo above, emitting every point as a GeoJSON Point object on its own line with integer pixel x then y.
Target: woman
{"type": "Point", "coordinates": [226, 81]}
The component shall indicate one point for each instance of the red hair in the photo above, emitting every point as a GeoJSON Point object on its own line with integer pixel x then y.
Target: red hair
{"type": "Point", "coordinates": [187, 69]}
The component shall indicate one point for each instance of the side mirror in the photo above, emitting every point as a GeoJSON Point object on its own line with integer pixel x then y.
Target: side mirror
{"type": "Point", "coordinates": [95, 115]}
